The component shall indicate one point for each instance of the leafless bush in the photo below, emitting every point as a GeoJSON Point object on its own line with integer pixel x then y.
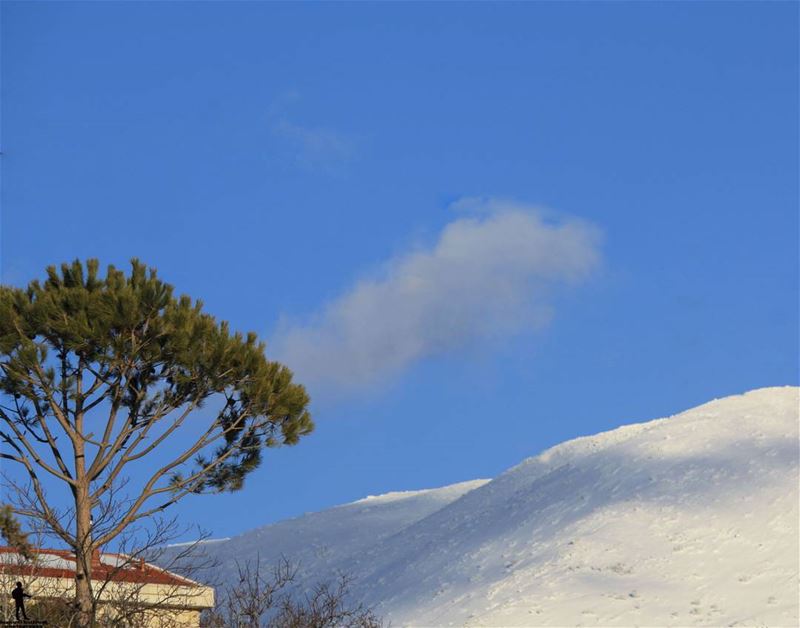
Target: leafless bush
{"type": "Point", "coordinates": [267, 598]}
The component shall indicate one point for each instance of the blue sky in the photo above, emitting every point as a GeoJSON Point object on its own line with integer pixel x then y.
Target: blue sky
{"type": "Point", "coordinates": [474, 230]}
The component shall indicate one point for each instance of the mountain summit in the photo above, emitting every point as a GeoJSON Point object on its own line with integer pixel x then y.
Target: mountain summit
{"type": "Point", "coordinates": [683, 521]}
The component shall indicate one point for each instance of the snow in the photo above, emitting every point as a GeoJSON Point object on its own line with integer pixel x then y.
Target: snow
{"type": "Point", "coordinates": [199, 542]}
{"type": "Point", "coordinates": [690, 520]}
{"type": "Point", "coordinates": [43, 559]}
{"type": "Point", "coordinates": [315, 542]}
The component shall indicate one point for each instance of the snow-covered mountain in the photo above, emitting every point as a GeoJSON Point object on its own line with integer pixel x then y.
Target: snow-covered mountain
{"type": "Point", "coordinates": [317, 542]}
{"type": "Point", "coordinates": [683, 521]}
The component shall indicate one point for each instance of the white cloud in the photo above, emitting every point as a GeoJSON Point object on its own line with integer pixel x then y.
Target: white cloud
{"type": "Point", "coordinates": [315, 147]}
{"type": "Point", "coordinates": [488, 276]}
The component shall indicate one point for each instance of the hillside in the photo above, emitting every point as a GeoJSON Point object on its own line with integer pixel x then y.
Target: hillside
{"type": "Point", "coordinates": [683, 521]}
{"type": "Point", "coordinates": [315, 542]}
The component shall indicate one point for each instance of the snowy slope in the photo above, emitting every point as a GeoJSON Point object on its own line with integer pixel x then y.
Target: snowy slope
{"type": "Point", "coordinates": [689, 520]}
{"type": "Point", "coordinates": [315, 542]}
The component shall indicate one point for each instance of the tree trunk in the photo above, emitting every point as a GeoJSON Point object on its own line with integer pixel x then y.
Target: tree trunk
{"type": "Point", "coordinates": [83, 544]}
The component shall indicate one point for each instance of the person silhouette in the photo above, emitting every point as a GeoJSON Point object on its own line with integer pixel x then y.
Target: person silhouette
{"type": "Point", "coordinates": [19, 596]}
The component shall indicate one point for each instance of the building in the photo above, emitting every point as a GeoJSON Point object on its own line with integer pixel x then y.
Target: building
{"type": "Point", "coordinates": [130, 592]}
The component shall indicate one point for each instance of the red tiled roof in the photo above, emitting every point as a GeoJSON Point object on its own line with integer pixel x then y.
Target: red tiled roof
{"type": "Point", "coordinates": [132, 569]}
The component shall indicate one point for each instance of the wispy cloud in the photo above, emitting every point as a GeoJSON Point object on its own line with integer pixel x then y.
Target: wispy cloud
{"type": "Point", "coordinates": [313, 147]}
{"type": "Point", "coordinates": [488, 276]}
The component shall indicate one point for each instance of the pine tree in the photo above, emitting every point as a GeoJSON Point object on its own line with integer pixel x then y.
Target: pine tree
{"type": "Point", "coordinates": [99, 373]}
{"type": "Point", "coordinates": [12, 532]}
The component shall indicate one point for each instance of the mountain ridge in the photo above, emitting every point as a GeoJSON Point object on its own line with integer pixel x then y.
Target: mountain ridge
{"type": "Point", "coordinates": [684, 520]}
